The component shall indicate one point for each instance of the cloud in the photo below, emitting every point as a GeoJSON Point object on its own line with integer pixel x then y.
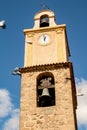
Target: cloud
{"type": "Point", "coordinates": [6, 105]}
{"type": "Point", "coordinates": [82, 102]}
{"type": "Point", "coordinates": [13, 122]}
{"type": "Point", "coordinates": [8, 113]}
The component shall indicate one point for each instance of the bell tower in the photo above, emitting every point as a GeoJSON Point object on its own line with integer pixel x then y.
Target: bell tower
{"type": "Point", "coordinates": [48, 94]}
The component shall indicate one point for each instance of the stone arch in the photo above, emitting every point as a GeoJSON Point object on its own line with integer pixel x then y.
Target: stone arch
{"type": "Point", "coordinates": [45, 89]}
{"type": "Point", "coordinates": [44, 20]}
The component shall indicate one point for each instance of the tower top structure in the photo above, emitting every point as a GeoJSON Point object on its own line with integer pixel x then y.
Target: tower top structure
{"type": "Point", "coordinates": [46, 34]}
{"type": "Point", "coordinates": [44, 18]}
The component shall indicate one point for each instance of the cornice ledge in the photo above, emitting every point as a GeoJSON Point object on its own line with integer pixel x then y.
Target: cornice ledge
{"type": "Point", "coordinates": [61, 26]}
{"type": "Point", "coordinates": [45, 67]}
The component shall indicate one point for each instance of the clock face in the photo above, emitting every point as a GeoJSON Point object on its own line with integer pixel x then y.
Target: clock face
{"type": "Point", "coordinates": [44, 39]}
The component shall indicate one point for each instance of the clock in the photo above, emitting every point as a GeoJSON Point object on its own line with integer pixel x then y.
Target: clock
{"type": "Point", "coordinates": [44, 39]}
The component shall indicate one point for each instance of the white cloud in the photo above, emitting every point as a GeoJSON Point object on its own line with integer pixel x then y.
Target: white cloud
{"type": "Point", "coordinates": [6, 105]}
{"type": "Point", "coordinates": [13, 122]}
{"type": "Point", "coordinates": [82, 101]}
{"type": "Point", "coordinates": [8, 111]}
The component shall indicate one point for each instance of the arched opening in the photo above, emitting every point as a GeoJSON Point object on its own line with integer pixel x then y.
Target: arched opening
{"type": "Point", "coordinates": [45, 90]}
{"type": "Point", "coordinates": [44, 21]}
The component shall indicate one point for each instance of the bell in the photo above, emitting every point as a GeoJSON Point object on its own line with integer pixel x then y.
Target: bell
{"type": "Point", "coordinates": [44, 22]}
{"type": "Point", "coordinates": [45, 98]}
{"type": "Point", "coordinates": [45, 92]}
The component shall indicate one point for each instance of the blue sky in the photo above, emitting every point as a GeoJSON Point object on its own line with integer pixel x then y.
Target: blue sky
{"type": "Point", "coordinates": [19, 15]}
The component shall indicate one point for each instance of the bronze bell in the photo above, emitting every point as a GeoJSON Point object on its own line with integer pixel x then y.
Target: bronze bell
{"type": "Point", "coordinates": [45, 98]}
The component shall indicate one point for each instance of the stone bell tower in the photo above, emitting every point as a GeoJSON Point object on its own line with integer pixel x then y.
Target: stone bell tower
{"type": "Point", "coordinates": [48, 94]}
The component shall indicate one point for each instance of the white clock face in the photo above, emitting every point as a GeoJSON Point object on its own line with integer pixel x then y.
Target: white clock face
{"type": "Point", "coordinates": [44, 39]}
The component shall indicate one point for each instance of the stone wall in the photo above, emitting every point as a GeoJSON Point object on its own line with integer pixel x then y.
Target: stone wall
{"type": "Point", "coordinates": [58, 117]}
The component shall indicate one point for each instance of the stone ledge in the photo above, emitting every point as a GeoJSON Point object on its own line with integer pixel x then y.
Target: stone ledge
{"type": "Point", "coordinates": [45, 67]}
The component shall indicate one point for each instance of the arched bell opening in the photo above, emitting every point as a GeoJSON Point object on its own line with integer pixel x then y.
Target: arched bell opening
{"type": "Point", "coordinates": [44, 21]}
{"type": "Point", "coordinates": [45, 90]}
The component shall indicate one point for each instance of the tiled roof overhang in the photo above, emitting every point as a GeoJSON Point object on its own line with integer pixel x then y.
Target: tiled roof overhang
{"type": "Point", "coordinates": [45, 67]}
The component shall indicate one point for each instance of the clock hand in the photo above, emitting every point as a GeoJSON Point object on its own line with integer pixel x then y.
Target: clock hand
{"type": "Point", "coordinates": [44, 38]}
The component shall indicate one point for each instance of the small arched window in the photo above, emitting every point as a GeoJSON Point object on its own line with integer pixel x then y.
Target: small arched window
{"type": "Point", "coordinates": [44, 21]}
{"type": "Point", "coordinates": [45, 90]}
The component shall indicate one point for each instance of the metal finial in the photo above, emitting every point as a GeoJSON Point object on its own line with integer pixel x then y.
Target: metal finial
{"type": "Point", "coordinates": [44, 6]}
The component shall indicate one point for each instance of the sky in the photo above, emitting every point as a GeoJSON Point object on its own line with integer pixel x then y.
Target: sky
{"type": "Point", "coordinates": [19, 15]}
